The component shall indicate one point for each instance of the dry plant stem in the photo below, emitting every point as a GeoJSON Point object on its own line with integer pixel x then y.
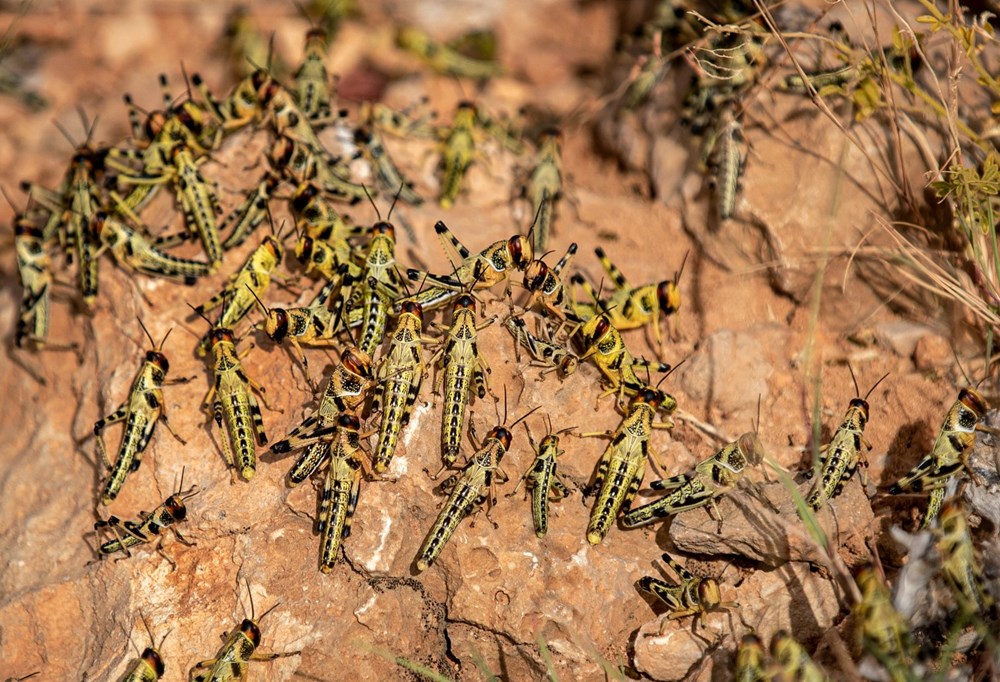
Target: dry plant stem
{"type": "Point", "coordinates": [818, 101]}
{"type": "Point", "coordinates": [936, 279]}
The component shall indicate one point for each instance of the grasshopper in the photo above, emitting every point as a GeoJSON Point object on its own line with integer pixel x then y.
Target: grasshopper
{"type": "Point", "coordinates": [634, 307]}
{"type": "Point", "coordinates": [248, 216]}
{"type": "Point", "coordinates": [385, 170]}
{"type": "Point", "coordinates": [133, 249]}
{"type": "Point", "coordinates": [34, 271]}
{"type": "Point", "coordinates": [750, 660]}
{"type": "Point", "coordinates": [543, 479]}
{"type": "Point", "coordinates": [253, 278]}
{"type": "Point", "coordinates": [792, 662]}
{"type": "Point", "coordinates": [461, 366]}
{"type": "Point", "coordinates": [313, 325]}
{"type": "Point", "coordinates": [725, 151]}
{"type": "Point", "coordinates": [149, 667]}
{"type": "Point", "coordinates": [712, 478]}
{"type": "Point", "coordinates": [401, 372]}
{"type": "Point", "coordinates": [621, 467]}
{"type": "Point", "coordinates": [380, 286]}
{"type": "Point", "coordinates": [457, 152]}
{"type": "Point", "coordinates": [340, 490]}
{"type": "Point", "coordinates": [232, 400]}
{"type": "Point", "coordinates": [488, 268]}
{"type": "Point", "coordinates": [232, 661]}
{"type": "Point", "coordinates": [647, 72]}
{"type": "Point", "coordinates": [195, 196]}
{"type": "Point", "coordinates": [551, 356]}
{"type": "Point", "coordinates": [243, 105]}
{"type": "Point", "coordinates": [312, 82]}
{"type": "Point", "coordinates": [960, 562]}
{"type": "Point", "coordinates": [345, 393]}
{"type": "Point", "coordinates": [292, 126]}
{"type": "Point", "coordinates": [603, 342]}
{"type": "Point", "coordinates": [301, 163]}
{"type": "Point", "coordinates": [442, 58]}
{"type": "Point", "coordinates": [949, 455]}
{"type": "Point", "coordinates": [399, 123]}
{"type": "Point", "coordinates": [143, 409]}
{"type": "Point", "coordinates": [840, 458]}
{"type": "Point", "coordinates": [880, 629]}
{"type": "Point", "coordinates": [547, 288]}
{"type": "Point", "coordinates": [544, 188]}
{"type": "Point", "coordinates": [150, 525]}
{"type": "Point", "coordinates": [80, 202]}
{"type": "Point", "coordinates": [694, 596]}
{"type": "Point", "coordinates": [469, 488]}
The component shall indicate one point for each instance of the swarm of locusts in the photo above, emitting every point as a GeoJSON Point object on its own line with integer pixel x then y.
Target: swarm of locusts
{"type": "Point", "coordinates": [375, 314]}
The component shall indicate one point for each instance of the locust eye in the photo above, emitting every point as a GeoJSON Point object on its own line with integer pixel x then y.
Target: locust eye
{"type": "Point", "coordinates": [175, 505]}
{"type": "Point", "coordinates": [348, 421]}
{"type": "Point", "coordinates": [601, 328]}
{"type": "Point", "coordinates": [464, 301]}
{"type": "Point", "coordinates": [250, 629]}
{"type": "Point", "coordinates": [153, 660]}
{"type": "Point", "coordinates": [413, 308]}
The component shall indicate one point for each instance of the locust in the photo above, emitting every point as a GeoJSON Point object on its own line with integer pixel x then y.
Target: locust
{"type": "Point", "coordinates": [489, 267]}
{"type": "Point", "coordinates": [792, 662]}
{"type": "Point", "coordinates": [961, 564]}
{"type": "Point", "coordinates": [149, 667]}
{"type": "Point", "coordinates": [543, 479]}
{"type": "Point", "coordinates": [312, 325]}
{"type": "Point", "coordinates": [458, 150]}
{"type": "Point", "coordinates": [620, 470]}
{"type": "Point", "coordinates": [442, 58]}
{"type": "Point", "coordinates": [195, 196]}
{"type": "Point", "coordinates": [151, 525]}
{"type": "Point", "coordinates": [254, 210]}
{"type": "Point", "coordinates": [81, 201]}
{"type": "Point", "coordinates": [34, 271]}
{"type": "Point", "coordinates": [694, 596]}
{"type": "Point", "coordinates": [140, 412]}
{"type": "Point", "coordinates": [647, 72]}
{"type": "Point", "coordinates": [243, 105]}
{"type": "Point", "coordinates": [380, 286]}
{"type": "Point", "coordinates": [302, 163]}
{"type": "Point", "coordinates": [604, 344]}
{"type": "Point", "coordinates": [372, 148]}
{"type": "Point", "coordinates": [345, 393]}
{"type": "Point", "coordinates": [232, 401]}
{"type": "Point", "coordinates": [712, 478]}
{"type": "Point", "coordinates": [544, 187]}
{"type": "Point", "coordinates": [400, 374]}
{"type": "Point", "coordinates": [340, 489]}
{"type": "Point", "coordinates": [247, 284]}
{"type": "Point", "coordinates": [245, 45]}
{"type": "Point", "coordinates": [725, 151]}
{"type": "Point", "coordinates": [949, 455]}
{"type": "Point", "coordinates": [750, 663]}
{"type": "Point", "coordinates": [879, 627]}
{"type": "Point", "coordinates": [136, 251]}
{"type": "Point", "coordinates": [312, 82]}
{"type": "Point", "coordinates": [400, 123]}
{"type": "Point", "coordinates": [547, 288]}
{"type": "Point", "coordinates": [232, 661]}
{"type": "Point", "coordinates": [631, 307]}
{"type": "Point", "coordinates": [469, 488]}
{"type": "Point", "coordinates": [295, 129]}
{"type": "Point", "coordinates": [552, 357]}
{"type": "Point", "coordinates": [461, 366]}
{"type": "Point", "coordinates": [324, 246]}
{"type": "Point", "coordinates": [841, 457]}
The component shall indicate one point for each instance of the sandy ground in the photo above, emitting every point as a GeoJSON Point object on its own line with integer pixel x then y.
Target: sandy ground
{"type": "Point", "coordinates": [771, 314]}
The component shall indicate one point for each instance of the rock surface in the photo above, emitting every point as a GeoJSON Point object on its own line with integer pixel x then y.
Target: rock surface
{"type": "Point", "coordinates": [498, 597]}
